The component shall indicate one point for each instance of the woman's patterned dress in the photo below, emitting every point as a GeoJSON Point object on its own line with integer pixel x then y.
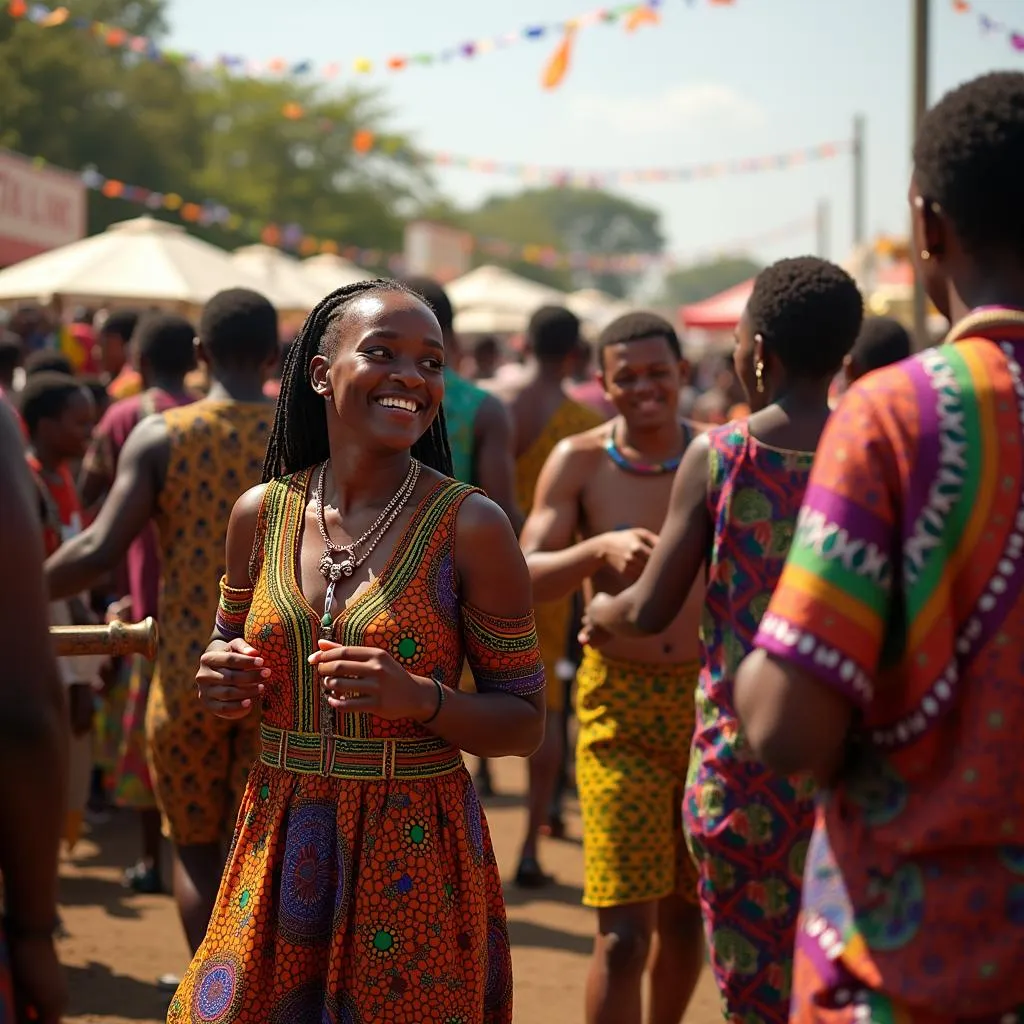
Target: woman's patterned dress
{"type": "Point", "coordinates": [361, 886]}
{"type": "Point", "coordinates": [748, 828]}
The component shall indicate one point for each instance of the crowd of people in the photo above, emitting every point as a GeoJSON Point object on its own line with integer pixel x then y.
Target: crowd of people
{"type": "Point", "coordinates": [782, 606]}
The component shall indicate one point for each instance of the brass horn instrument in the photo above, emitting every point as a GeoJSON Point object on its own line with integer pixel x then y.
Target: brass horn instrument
{"type": "Point", "coordinates": [113, 640]}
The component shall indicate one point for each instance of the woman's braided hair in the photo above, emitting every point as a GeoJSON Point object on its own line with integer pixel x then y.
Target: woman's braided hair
{"type": "Point", "coordinates": [299, 438]}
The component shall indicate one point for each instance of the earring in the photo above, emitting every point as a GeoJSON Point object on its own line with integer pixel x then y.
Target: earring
{"type": "Point", "coordinates": [925, 254]}
{"type": "Point", "coordinates": [759, 376]}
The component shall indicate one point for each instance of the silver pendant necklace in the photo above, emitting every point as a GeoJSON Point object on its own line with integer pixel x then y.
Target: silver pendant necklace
{"type": "Point", "coordinates": [346, 565]}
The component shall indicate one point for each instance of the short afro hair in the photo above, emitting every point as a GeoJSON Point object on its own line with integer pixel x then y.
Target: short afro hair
{"type": "Point", "coordinates": [808, 313]}
{"type": "Point", "coordinates": [553, 334]}
{"type": "Point", "coordinates": [436, 298]}
{"type": "Point", "coordinates": [45, 397]}
{"type": "Point", "coordinates": [968, 159]}
{"type": "Point", "coordinates": [637, 326]}
{"type": "Point", "coordinates": [121, 323]}
{"type": "Point", "coordinates": [882, 341]}
{"type": "Point", "coordinates": [167, 343]}
{"type": "Point", "coordinates": [239, 328]}
{"type": "Point", "coordinates": [48, 360]}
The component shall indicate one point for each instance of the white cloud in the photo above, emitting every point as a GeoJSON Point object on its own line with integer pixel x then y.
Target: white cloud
{"type": "Point", "coordinates": [681, 106]}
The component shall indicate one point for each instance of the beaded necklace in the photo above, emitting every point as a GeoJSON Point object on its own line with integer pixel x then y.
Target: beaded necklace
{"type": "Point", "coordinates": [643, 468]}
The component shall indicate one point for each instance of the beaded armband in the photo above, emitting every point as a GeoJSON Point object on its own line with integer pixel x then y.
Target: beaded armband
{"type": "Point", "coordinates": [502, 653]}
{"type": "Point", "coordinates": [232, 610]}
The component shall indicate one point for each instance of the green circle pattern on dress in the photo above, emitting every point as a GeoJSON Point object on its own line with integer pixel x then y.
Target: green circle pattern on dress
{"type": "Point", "coordinates": [408, 648]}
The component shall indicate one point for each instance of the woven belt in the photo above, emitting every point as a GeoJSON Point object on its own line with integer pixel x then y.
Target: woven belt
{"type": "Point", "coordinates": [342, 758]}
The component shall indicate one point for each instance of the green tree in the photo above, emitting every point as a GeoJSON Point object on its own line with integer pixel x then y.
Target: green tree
{"type": "Point", "coordinates": [702, 280]}
{"type": "Point", "coordinates": [68, 97]}
{"type": "Point", "coordinates": [569, 220]}
{"type": "Point", "coordinates": [304, 171]}
{"type": "Point", "coordinates": [77, 102]}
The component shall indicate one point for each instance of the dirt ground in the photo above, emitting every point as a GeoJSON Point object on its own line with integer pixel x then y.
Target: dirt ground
{"type": "Point", "coordinates": [117, 943]}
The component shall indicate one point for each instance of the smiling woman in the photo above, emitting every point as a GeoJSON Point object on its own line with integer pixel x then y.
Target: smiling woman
{"type": "Point", "coordinates": [361, 882]}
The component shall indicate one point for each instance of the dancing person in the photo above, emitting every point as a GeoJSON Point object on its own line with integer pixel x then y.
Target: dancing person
{"type": "Point", "coordinates": [731, 516]}
{"type": "Point", "coordinates": [543, 415]}
{"type": "Point", "coordinates": [882, 341]}
{"type": "Point", "coordinates": [890, 655]}
{"type": "Point", "coordinates": [479, 427]}
{"type": "Point", "coordinates": [165, 350]}
{"type": "Point", "coordinates": [362, 885]}
{"type": "Point", "coordinates": [183, 470]}
{"type": "Point", "coordinates": [59, 415]}
{"type": "Point", "coordinates": [33, 754]}
{"type": "Point", "coordinates": [600, 496]}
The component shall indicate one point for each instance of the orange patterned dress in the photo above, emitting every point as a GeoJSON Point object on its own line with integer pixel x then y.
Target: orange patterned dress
{"type": "Point", "coordinates": [361, 886]}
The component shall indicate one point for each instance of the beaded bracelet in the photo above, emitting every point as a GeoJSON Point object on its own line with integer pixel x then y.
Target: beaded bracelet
{"type": "Point", "coordinates": [440, 701]}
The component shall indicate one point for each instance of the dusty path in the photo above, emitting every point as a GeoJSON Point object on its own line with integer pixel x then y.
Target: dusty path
{"type": "Point", "coordinates": [118, 943]}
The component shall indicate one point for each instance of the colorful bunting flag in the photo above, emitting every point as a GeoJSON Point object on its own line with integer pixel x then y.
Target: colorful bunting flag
{"type": "Point", "coordinates": [293, 237]}
{"type": "Point", "coordinates": [558, 67]}
{"type": "Point", "coordinates": [634, 14]}
{"type": "Point", "coordinates": [990, 26]}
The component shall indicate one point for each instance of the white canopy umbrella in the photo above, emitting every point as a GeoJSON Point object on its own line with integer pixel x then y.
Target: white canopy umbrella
{"type": "Point", "coordinates": [328, 272]}
{"type": "Point", "coordinates": [141, 260]}
{"type": "Point", "coordinates": [494, 300]}
{"type": "Point", "coordinates": [595, 307]}
{"type": "Point", "coordinates": [280, 275]}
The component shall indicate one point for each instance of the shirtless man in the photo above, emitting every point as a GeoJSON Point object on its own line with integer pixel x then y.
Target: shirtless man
{"type": "Point", "coordinates": [600, 500]}
{"type": "Point", "coordinates": [542, 416]}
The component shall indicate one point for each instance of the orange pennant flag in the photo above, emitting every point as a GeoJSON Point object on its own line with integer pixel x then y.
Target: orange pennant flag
{"type": "Point", "coordinates": [363, 140]}
{"type": "Point", "coordinates": [558, 66]}
{"type": "Point", "coordinates": [642, 15]}
{"type": "Point", "coordinates": [55, 17]}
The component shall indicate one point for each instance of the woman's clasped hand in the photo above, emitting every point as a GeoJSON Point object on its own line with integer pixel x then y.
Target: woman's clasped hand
{"type": "Point", "coordinates": [230, 678]}
{"type": "Point", "coordinates": [368, 679]}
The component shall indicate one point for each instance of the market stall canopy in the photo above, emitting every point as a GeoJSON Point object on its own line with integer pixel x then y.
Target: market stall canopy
{"type": "Point", "coordinates": [140, 260]}
{"type": "Point", "coordinates": [493, 300]}
{"type": "Point", "coordinates": [595, 307]}
{"type": "Point", "coordinates": [281, 277]}
{"type": "Point", "coordinates": [721, 312]}
{"type": "Point", "coordinates": [328, 272]}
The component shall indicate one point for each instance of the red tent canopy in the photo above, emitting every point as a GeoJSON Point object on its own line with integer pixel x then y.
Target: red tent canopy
{"type": "Point", "coordinates": [721, 312]}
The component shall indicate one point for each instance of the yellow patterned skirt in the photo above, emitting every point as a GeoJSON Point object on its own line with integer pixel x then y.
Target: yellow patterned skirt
{"type": "Point", "coordinates": [635, 728]}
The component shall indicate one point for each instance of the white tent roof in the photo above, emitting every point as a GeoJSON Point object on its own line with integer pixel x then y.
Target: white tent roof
{"type": "Point", "coordinates": [328, 272]}
{"type": "Point", "coordinates": [595, 307]}
{"type": "Point", "coordinates": [494, 300]}
{"type": "Point", "coordinates": [140, 260]}
{"type": "Point", "coordinates": [280, 275]}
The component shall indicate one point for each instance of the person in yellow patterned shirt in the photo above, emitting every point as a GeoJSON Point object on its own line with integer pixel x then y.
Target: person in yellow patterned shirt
{"type": "Point", "coordinates": [183, 470]}
{"type": "Point", "coordinates": [543, 415]}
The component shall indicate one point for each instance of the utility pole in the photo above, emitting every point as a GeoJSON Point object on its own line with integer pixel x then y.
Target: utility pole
{"type": "Point", "coordinates": [821, 220]}
{"type": "Point", "coordinates": [920, 93]}
{"type": "Point", "coordinates": [858, 182]}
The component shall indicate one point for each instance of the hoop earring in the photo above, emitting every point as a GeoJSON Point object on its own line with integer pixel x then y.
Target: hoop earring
{"type": "Point", "coordinates": [759, 376]}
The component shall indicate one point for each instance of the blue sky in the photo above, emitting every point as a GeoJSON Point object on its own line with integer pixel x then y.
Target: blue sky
{"type": "Point", "coordinates": [708, 83]}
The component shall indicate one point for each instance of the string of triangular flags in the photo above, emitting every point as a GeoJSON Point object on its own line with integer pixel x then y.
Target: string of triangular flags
{"type": "Point", "coordinates": [631, 16]}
